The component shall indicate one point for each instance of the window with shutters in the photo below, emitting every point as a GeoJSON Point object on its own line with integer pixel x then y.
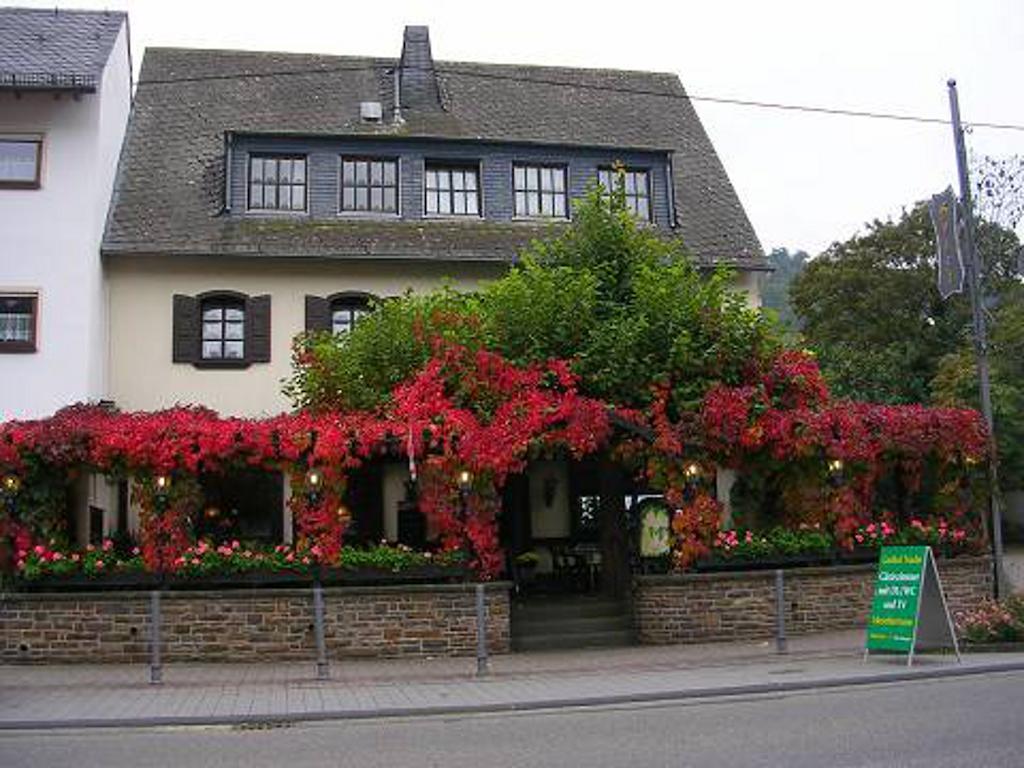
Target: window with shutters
{"type": "Point", "coordinates": [540, 191]}
{"type": "Point", "coordinates": [338, 313]}
{"type": "Point", "coordinates": [18, 316]}
{"type": "Point", "coordinates": [452, 190]}
{"type": "Point", "coordinates": [223, 333]}
{"type": "Point", "coordinates": [635, 187]}
{"type": "Point", "coordinates": [277, 182]}
{"type": "Point", "coordinates": [221, 329]}
{"type": "Point", "coordinates": [369, 185]}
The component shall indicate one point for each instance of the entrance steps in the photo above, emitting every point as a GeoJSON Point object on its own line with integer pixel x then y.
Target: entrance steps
{"type": "Point", "coordinates": [566, 622]}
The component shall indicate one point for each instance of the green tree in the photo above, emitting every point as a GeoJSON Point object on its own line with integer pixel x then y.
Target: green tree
{"type": "Point", "coordinates": [625, 304]}
{"type": "Point", "coordinates": [786, 265]}
{"type": "Point", "coordinates": [871, 310]}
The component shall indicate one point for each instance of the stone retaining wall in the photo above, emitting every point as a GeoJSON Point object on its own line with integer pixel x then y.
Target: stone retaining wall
{"type": "Point", "coordinates": [250, 625]}
{"type": "Point", "coordinates": [699, 607]}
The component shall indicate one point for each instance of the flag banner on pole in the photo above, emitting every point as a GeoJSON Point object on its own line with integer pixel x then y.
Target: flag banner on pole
{"type": "Point", "coordinates": [946, 220]}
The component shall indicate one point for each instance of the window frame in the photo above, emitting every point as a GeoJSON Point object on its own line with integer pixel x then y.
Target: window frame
{"type": "Point", "coordinates": [224, 298]}
{"type": "Point", "coordinates": [369, 212]}
{"type": "Point", "coordinates": [450, 166]}
{"type": "Point", "coordinates": [351, 301]}
{"type": "Point", "coordinates": [614, 170]}
{"type": "Point", "coordinates": [35, 183]}
{"type": "Point", "coordinates": [276, 156]}
{"type": "Point", "coordinates": [540, 166]}
{"type": "Point", "coordinates": [32, 344]}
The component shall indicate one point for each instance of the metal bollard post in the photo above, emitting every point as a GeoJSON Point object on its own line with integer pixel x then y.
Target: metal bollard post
{"type": "Point", "coordinates": [156, 672]}
{"type": "Point", "coordinates": [481, 631]}
{"type": "Point", "coordinates": [318, 625]}
{"type": "Point", "coordinates": [780, 612]}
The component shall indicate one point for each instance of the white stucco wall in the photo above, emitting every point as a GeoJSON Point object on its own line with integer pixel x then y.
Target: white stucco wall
{"type": "Point", "coordinates": [142, 376]}
{"type": "Point", "coordinates": [51, 237]}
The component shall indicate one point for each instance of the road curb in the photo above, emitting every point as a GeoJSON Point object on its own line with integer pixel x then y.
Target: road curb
{"type": "Point", "coordinates": [691, 694]}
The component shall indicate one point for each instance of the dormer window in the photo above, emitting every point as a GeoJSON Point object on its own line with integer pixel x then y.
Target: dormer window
{"type": "Point", "coordinates": [452, 190]}
{"type": "Point", "coordinates": [635, 186]}
{"type": "Point", "coordinates": [369, 185]}
{"type": "Point", "coordinates": [277, 182]}
{"type": "Point", "coordinates": [540, 191]}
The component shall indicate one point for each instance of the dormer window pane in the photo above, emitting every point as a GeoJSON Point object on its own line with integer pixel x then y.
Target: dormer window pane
{"type": "Point", "coordinates": [369, 184]}
{"type": "Point", "coordinates": [277, 183]}
{"type": "Point", "coordinates": [451, 190]}
{"type": "Point", "coordinates": [635, 187]}
{"type": "Point", "coordinates": [540, 190]}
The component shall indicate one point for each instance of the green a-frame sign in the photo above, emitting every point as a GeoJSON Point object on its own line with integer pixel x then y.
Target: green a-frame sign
{"type": "Point", "coordinates": [908, 608]}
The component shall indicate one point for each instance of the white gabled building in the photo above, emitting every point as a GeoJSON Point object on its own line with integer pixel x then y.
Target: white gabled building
{"type": "Point", "coordinates": [65, 94]}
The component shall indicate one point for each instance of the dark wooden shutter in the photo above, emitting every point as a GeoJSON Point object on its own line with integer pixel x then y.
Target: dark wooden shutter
{"type": "Point", "coordinates": [258, 341]}
{"type": "Point", "coordinates": [185, 329]}
{"type": "Point", "coordinates": [318, 314]}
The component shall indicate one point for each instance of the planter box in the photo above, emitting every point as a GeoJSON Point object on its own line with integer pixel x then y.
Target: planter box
{"type": "Point", "coordinates": [795, 561]}
{"type": "Point", "coordinates": [251, 580]}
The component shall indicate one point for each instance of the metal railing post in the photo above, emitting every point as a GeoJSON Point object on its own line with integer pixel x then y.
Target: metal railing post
{"type": "Point", "coordinates": [780, 611]}
{"type": "Point", "coordinates": [481, 631]}
{"type": "Point", "coordinates": [322, 672]}
{"type": "Point", "coordinates": [156, 672]}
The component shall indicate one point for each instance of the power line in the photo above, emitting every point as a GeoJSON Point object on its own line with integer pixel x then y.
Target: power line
{"type": "Point", "coordinates": [751, 103]}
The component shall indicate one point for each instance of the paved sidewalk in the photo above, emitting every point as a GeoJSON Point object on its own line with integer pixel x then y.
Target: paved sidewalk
{"type": "Point", "coordinates": [119, 695]}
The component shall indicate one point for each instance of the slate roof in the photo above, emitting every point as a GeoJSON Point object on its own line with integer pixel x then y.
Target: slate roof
{"type": "Point", "coordinates": [170, 189]}
{"type": "Point", "coordinates": [51, 49]}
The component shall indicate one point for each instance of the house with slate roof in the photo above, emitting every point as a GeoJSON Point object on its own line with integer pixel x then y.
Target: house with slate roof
{"type": "Point", "coordinates": [261, 194]}
{"type": "Point", "coordinates": [65, 94]}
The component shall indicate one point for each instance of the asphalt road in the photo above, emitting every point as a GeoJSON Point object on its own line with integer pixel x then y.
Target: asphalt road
{"type": "Point", "coordinates": [972, 721]}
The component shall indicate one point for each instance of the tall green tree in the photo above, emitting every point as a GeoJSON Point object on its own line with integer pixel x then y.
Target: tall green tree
{"type": "Point", "coordinates": [786, 265]}
{"type": "Point", "coordinates": [872, 313]}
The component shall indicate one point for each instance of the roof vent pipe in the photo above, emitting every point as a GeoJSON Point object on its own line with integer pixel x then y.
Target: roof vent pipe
{"type": "Point", "coordinates": [397, 118]}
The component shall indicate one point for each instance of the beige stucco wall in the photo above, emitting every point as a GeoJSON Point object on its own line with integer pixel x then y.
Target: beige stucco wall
{"type": "Point", "coordinates": [142, 376]}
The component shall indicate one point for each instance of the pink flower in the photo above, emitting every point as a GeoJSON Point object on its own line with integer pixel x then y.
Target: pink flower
{"type": "Point", "coordinates": [289, 557]}
{"type": "Point", "coordinates": [39, 549]}
{"type": "Point", "coordinates": [859, 539]}
{"type": "Point", "coordinates": [136, 551]}
{"type": "Point", "coordinates": [99, 565]}
{"type": "Point", "coordinates": [235, 544]}
{"type": "Point", "coordinates": [57, 556]}
{"type": "Point", "coordinates": [107, 545]}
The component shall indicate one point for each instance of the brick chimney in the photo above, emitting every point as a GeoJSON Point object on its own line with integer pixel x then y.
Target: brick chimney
{"type": "Point", "coordinates": [417, 81]}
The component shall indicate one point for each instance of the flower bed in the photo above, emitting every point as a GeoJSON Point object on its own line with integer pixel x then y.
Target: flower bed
{"type": "Point", "coordinates": [993, 622]}
{"type": "Point", "coordinates": [233, 563]}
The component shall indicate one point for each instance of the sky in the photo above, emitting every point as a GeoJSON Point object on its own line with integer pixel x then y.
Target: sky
{"type": "Point", "coordinates": [806, 180]}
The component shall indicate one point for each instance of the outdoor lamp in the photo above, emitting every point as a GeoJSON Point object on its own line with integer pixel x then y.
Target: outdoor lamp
{"type": "Point", "coordinates": [465, 480]}
{"type": "Point", "coordinates": [835, 472]}
{"type": "Point", "coordinates": [314, 482]}
{"type": "Point", "coordinates": [692, 471]}
{"type": "Point", "coordinates": [11, 484]}
{"type": "Point", "coordinates": [163, 483]}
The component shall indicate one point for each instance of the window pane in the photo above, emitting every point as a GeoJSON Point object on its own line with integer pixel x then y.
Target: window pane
{"type": "Point", "coordinates": [299, 170]}
{"type": "Point", "coordinates": [256, 169]}
{"type": "Point", "coordinates": [348, 172]}
{"type": "Point", "coordinates": [604, 178]}
{"type": "Point", "coordinates": [376, 198]}
{"type": "Point", "coordinates": [444, 203]}
{"type": "Point", "coordinates": [376, 173]}
{"type": "Point", "coordinates": [256, 196]}
{"type": "Point", "coordinates": [520, 203]}
{"type": "Point", "coordinates": [520, 177]}
{"type": "Point", "coordinates": [630, 183]}
{"type": "Point", "coordinates": [458, 180]}
{"type": "Point", "coordinates": [362, 198]}
{"type": "Point", "coordinates": [299, 198]}
{"type": "Point", "coordinates": [270, 171]}
{"type": "Point", "coordinates": [431, 202]}
{"type": "Point", "coordinates": [389, 200]}
{"type": "Point", "coordinates": [533, 204]}
{"type": "Point", "coordinates": [390, 173]}
{"type": "Point", "coordinates": [212, 330]}
{"type": "Point", "coordinates": [284, 171]}
{"type": "Point", "coordinates": [642, 209]}
{"type": "Point", "coordinates": [233, 350]}
{"type": "Point", "coordinates": [431, 179]}
{"type": "Point", "coordinates": [471, 180]}
{"type": "Point", "coordinates": [559, 178]}
{"type": "Point", "coordinates": [459, 203]}
{"type": "Point", "coordinates": [471, 204]}
{"type": "Point", "coordinates": [444, 179]}
{"type": "Point", "coordinates": [348, 199]}
{"type": "Point", "coordinates": [234, 330]}
{"type": "Point", "coordinates": [211, 350]}
{"type": "Point", "coordinates": [213, 313]}
{"type": "Point", "coordinates": [284, 197]}
{"type": "Point", "coordinates": [362, 172]}
{"type": "Point", "coordinates": [547, 179]}
{"type": "Point", "coordinates": [532, 179]}
{"type": "Point", "coordinates": [233, 314]}
{"type": "Point", "coordinates": [560, 205]}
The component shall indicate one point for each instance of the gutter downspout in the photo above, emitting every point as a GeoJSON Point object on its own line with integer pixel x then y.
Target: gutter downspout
{"type": "Point", "coordinates": [229, 146]}
{"type": "Point", "coordinates": [671, 189]}
{"type": "Point", "coordinates": [397, 115]}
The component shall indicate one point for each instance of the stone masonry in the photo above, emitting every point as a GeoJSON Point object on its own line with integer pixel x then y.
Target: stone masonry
{"type": "Point", "coordinates": [698, 607]}
{"type": "Point", "coordinates": [250, 625]}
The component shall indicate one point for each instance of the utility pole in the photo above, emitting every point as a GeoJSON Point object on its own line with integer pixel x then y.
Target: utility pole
{"type": "Point", "coordinates": [972, 267]}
